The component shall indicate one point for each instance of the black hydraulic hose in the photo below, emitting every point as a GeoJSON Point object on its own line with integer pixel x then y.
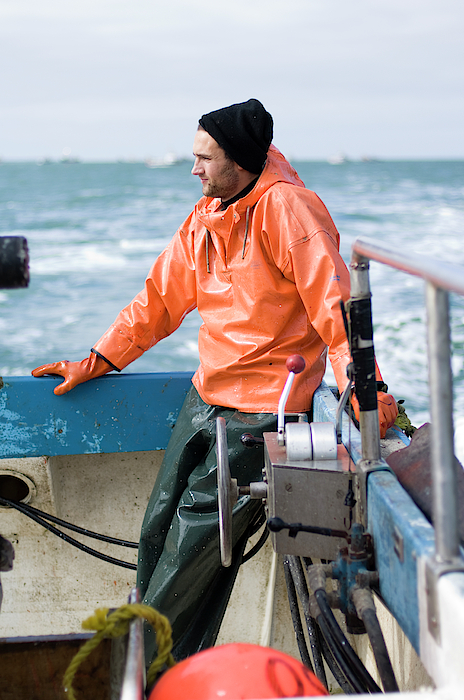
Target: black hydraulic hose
{"type": "Point", "coordinates": [365, 608]}
{"type": "Point", "coordinates": [343, 644]}
{"type": "Point", "coordinates": [255, 549]}
{"type": "Point", "coordinates": [70, 540]}
{"type": "Point", "coordinates": [354, 681]}
{"type": "Point", "coordinates": [296, 618]}
{"type": "Point", "coordinates": [75, 528]}
{"type": "Point", "coordinates": [379, 648]}
{"type": "Point", "coordinates": [296, 570]}
{"type": "Point", "coordinates": [325, 649]}
{"type": "Point", "coordinates": [339, 676]}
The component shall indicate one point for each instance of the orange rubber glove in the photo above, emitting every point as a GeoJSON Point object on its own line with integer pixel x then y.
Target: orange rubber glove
{"type": "Point", "coordinates": [388, 410]}
{"type": "Point", "coordinates": [74, 373]}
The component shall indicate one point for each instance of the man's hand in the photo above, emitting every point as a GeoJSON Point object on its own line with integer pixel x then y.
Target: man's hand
{"type": "Point", "coordinates": [74, 373]}
{"type": "Point", "coordinates": [388, 411]}
{"type": "Point", "coordinates": [387, 408]}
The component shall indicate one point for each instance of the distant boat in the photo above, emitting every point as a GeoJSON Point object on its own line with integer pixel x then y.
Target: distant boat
{"type": "Point", "coordinates": [167, 160]}
{"type": "Point", "coordinates": [338, 158]}
{"type": "Point", "coordinates": [66, 157]}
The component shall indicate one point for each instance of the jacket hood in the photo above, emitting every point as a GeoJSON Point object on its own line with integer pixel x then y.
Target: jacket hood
{"type": "Point", "coordinates": [277, 169]}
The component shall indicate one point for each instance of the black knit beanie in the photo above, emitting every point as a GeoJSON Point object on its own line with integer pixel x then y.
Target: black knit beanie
{"type": "Point", "coordinates": [244, 131]}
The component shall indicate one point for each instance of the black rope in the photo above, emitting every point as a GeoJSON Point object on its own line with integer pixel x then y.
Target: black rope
{"type": "Point", "coordinates": [70, 540]}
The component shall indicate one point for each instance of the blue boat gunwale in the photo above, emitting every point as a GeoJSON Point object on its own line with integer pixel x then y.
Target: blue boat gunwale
{"type": "Point", "coordinates": [130, 412]}
{"type": "Point", "coordinates": [116, 413]}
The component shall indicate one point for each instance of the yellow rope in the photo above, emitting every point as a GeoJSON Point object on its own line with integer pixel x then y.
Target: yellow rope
{"type": "Point", "coordinates": [116, 624]}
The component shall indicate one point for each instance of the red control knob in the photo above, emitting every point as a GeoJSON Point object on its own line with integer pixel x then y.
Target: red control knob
{"type": "Point", "coordinates": [295, 364]}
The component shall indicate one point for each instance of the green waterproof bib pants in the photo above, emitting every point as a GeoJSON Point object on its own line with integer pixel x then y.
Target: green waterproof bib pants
{"type": "Point", "coordinates": [179, 569]}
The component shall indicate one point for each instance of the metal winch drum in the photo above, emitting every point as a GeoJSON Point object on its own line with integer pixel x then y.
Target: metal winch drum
{"type": "Point", "coordinates": [310, 441]}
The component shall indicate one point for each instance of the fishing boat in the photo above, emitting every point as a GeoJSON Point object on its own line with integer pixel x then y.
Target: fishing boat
{"type": "Point", "coordinates": [347, 512]}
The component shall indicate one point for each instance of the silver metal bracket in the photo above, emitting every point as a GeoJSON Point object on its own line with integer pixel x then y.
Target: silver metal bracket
{"type": "Point", "coordinates": [227, 493]}
{"type": "Point", "coordinates": [128, 675]}
{"type": "Point", "coordinates": [433, 570]}
{"type": "Point", "coordinates": [364, 467]}
{"type": "Point", "coordinates": [340, 408]}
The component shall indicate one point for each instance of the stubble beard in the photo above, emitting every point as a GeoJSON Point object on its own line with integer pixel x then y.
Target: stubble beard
{"type": "Point", "coordinates": [224, 185]}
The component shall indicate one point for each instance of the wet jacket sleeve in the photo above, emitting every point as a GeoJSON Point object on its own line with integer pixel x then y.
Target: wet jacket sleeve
{"type": "Point", "coordinates": [169, 294]}
{"type": "Point", "coordinates": [322, 280]}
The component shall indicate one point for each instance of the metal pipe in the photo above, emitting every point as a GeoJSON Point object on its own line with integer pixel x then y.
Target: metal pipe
{"type": "Point", "coordinates": [133, 684]}
{"type": "Point", "coordinates": [441, 278]}
{"type": "Point", "coordinates": [441, 274]}
{"type": "Point", "coordinates": [370, 435]}
{"type": "Point", "coordinates": [340, 408]}
{"type": "Point", "coordinates": [360, 287]}
{"type": "Point", "coordinates": [444, 479]}
{"type": "Point", "coordinates": [368, 419]}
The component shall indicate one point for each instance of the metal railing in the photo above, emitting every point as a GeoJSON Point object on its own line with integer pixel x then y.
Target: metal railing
{"type": "Point", "coordinates": [440, 278]}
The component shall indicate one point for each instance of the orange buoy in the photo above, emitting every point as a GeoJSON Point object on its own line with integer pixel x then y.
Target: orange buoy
{"type": "Point", "coordinates": [234, 671]}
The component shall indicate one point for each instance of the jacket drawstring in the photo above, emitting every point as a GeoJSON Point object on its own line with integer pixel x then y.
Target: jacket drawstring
{"type": "Point", "coordinates": [208, 235]}
{"type": "Point", "coordinates": [208, 238]}
{"type": "Point", "coordinates": [247, 226]}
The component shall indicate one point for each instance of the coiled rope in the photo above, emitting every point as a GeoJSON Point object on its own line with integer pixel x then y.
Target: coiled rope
{"type": "Point", "coordinates": [116, 624]}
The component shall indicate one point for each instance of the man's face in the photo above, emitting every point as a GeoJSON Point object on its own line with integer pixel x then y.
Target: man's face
{"type": "Point", "coordinates": [218, 174]}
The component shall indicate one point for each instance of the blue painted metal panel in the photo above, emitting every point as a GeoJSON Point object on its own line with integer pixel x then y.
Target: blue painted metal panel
{"type": "Point", "coordinates": [391, 515]}
{"type": "Point", "coordinates": [115, 413]}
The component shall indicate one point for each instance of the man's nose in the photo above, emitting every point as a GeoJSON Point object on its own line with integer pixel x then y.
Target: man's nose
{"type": "Point", "coordinates": [196, 167]}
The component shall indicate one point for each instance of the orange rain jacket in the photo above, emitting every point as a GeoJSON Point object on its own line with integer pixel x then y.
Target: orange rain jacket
{"type": "Point", "coordinates": [267, 279]}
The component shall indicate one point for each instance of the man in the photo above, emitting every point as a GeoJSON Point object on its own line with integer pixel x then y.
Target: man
{"type": "Point", "coordinates": [258, 257]}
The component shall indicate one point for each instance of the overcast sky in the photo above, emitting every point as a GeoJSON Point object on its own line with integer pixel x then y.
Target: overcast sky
{"type": "Point", "coordinates": [130, 78]}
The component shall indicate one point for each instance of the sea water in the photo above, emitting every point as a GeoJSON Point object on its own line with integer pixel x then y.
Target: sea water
{"type": "Point", "coordinates": [94, 230]}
